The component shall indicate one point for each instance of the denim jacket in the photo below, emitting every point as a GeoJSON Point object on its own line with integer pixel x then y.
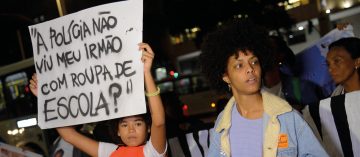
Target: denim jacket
{"type": "Point", "coordinates": [286, 134]}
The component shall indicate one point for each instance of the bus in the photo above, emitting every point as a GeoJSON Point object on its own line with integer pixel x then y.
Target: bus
{"type": "Point", "coordinates": [194, 91]}
{"type": "Point", "coordinates": [18, 109]}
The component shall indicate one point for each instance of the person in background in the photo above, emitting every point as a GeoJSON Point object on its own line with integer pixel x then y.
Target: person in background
{"type": "Point", "coordinates": [132, 131]}
{"type": "Point", "coordinates": [253, 123]}
{"type": "Point", "coordinates": [343, 61]}
{"type": "Point", "coordinates": [283, 80]}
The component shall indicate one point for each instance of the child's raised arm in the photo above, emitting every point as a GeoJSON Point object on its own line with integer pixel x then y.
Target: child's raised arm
{"type": "Point", "coordinates": [69, 134]}
{"type": "Point", "coordinates": [158, 133]}
{"type": "Point", "coordinates": [80, 141]}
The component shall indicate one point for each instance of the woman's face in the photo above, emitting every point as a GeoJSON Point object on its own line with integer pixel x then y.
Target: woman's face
{"type": "Point", "coordinates": [341, 65]}
{"type": "Point", "coordinates": [243, 73]}
{"type": "Point", "coordinates": [132, 130]}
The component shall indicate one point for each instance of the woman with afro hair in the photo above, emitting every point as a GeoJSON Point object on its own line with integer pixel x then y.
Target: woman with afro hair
{"type": "Point", "coordinates": [253, 123]}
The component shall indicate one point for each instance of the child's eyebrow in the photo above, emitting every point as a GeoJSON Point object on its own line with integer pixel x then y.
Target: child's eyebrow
{"type": "Point", "coordinates": [140, 119]}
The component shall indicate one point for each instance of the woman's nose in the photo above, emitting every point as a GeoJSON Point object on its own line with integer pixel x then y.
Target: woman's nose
{"type": "Point", "coordinates": [250, 69]}
{"type": "Point", "coordinates": [330, 68]}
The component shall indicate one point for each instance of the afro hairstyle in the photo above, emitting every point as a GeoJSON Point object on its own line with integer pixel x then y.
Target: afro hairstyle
{"type": "Point", "coordinates": [228, 40]}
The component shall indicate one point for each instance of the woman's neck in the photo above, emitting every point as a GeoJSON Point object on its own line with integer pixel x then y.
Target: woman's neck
{"type": "Point", "coordinates": [249, 106]}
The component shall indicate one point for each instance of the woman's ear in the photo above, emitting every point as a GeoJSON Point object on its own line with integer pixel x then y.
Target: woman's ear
{"type": "Point", "coordinates": [357, 63]}
{"type": "Point", "coordinates": [226, 78]}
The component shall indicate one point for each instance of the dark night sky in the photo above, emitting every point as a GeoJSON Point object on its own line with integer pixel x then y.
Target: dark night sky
{"type": "Point", "coordinates": [159, 15]}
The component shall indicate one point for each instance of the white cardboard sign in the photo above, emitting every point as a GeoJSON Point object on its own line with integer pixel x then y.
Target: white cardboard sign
{"type": "Point", "coordinates": [88, 65]}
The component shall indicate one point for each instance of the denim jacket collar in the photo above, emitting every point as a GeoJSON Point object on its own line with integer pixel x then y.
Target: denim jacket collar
{"type": "Point", "coordinates": [273, 106]}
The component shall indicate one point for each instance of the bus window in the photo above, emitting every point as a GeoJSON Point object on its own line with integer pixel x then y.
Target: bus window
{"type": "Point", "coordinates": [183, 86]}
{"type": "Point", "coordinates": [188, 63]}
{"type": "Point", "coordinates": [2, 98]}
{"type": "Point", "coordinates": [199, 83]}
{"type": "Point", "coordinates": [160, 73]}
{"type": "Point", "coordinates": [16, 85]}
{"type": "Point", "coordinates": [192, 87]}
{"type": "Point", "coordinates": [166, 86]}
{"type": "Point", "coordinates": [193, 91]}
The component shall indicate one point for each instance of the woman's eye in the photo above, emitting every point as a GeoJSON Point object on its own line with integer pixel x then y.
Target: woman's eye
{"type": "Point", "coordinates": [238, 66]}
{"type": "Point", "coordinates": [123, 125]}
{"type": "Point", "coordinates": [337, 61]}
{"type": "Point", "coordinates": [255, 62]}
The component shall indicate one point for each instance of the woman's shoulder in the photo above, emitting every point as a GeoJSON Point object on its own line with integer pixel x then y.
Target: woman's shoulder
{"type": "Point", "coordinates": [292, 113]}
{"type": "Point", "coordinates": [274, 105]}
{"type": "Point", "coordinates": [338, 91]}
{"type": "Point", "coordinates": [293, 117]}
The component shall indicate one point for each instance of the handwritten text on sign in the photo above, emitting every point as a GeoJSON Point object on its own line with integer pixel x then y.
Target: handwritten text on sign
{"type": "Point", "coordinates": [88, 65]}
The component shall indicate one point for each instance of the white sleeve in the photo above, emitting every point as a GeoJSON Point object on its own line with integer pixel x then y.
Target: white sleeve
{"type": "Point", "coordinates": [150, 151]}
{"type": "Point", "coordinates": [105, 149]}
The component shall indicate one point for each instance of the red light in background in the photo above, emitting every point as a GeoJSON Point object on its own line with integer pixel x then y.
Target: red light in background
{"type": "Point", "coordinates": [185, 110]}
{"type": "Point", "coordinates": [27, 89]}
{"type": "Point", "coordinates": [172, 73]}
{"type": "Point", "coordinates": [185, 107]}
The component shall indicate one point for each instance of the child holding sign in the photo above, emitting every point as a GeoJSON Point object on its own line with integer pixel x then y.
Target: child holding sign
{"type": "Point", "coordinates": [132, 130]}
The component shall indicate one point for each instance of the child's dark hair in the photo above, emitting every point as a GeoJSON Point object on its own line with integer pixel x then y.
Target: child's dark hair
{"type": "Point", "coordinates": [114, 127]}
{"type": "Point", "coordinates": [228, 40]}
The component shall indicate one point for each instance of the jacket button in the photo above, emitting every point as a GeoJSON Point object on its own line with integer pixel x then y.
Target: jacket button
{"type": "Point", "coordinates": [269, 148]}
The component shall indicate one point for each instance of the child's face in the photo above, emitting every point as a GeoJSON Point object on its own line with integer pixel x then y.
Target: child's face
{"type": "Point", "coordinates": [243, 73]}
{"type": "Point", "coordinates": [132, 130]}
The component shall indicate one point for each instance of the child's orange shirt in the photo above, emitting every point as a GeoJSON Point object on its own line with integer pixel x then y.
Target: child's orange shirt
{"type": "Point", "coordinates": [128, 152]}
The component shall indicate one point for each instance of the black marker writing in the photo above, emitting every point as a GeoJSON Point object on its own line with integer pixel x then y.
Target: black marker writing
{"type": "Point", "coordinates": [46, 64]}
{"type": "Point", "coordinates": [54, 85]}
{"type": "Point", "coordinates": [108, 44]}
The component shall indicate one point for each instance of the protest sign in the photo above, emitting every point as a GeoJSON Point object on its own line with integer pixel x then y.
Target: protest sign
{"type": "Point", "coordinates": [88, 65]}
